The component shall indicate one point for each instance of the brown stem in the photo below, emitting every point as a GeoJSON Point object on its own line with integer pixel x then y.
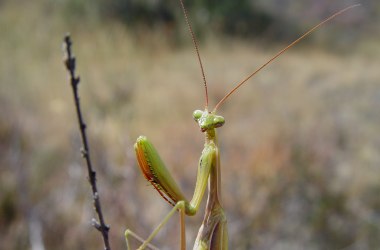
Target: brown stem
{"type": "Point", "coordinates": [70, 65]}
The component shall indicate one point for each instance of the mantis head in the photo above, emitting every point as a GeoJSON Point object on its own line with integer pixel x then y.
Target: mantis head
{"type": "Point", "coordinates": [207, 120]}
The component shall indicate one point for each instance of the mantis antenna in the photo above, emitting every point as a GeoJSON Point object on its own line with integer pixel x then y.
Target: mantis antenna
{"type": "Point", "coordinates": [196, 49]}
{"type": "Point", "coordinates": [281, 52]}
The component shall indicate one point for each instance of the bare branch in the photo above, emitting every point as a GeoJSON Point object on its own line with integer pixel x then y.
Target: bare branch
{"type": "Point", "coordinates": [74, 80]}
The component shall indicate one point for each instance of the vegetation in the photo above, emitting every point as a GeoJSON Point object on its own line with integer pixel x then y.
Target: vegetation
{"type": "Point", "coordinates": [299, 148]}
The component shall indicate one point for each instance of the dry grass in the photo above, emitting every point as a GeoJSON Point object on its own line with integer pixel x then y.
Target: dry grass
{"type": "Point", "coordinates": [299, 149]}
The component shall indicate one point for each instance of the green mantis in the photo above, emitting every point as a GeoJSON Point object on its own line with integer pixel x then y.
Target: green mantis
{"type": "Point", "coordinates": [213, 233]}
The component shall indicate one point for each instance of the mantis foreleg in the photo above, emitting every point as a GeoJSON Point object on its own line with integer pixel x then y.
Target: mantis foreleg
{"type": "Point", "coordinates": [158, 175]}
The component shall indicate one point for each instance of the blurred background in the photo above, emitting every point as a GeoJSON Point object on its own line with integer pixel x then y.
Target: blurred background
{"type": "Point", "coordinates": [299, 150]}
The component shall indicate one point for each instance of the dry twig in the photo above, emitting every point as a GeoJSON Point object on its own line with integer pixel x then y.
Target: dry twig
{"type": "Point", "coordinates": [70, 65]}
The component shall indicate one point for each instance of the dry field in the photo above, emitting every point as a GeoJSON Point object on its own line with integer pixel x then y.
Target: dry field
{"type": "Point", "coordinates": [300, 147]}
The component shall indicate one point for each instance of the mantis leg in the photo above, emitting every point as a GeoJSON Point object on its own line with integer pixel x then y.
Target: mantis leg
{"type": "Point", "coordinates": [129, 233]}
{"type": "Point", "coordinates": [145, 243]}
{"type": "Point", "coordinates": [157, 174]}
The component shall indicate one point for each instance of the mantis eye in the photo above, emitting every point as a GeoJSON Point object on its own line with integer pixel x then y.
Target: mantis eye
{"type": "Point", "coordinates": [197, 114]}
{"type": "Point", "coordinates": [218, 121]}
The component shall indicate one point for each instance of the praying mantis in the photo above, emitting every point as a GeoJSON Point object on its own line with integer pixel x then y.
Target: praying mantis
{"type": "Point", "coordinates": [213, 233]}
